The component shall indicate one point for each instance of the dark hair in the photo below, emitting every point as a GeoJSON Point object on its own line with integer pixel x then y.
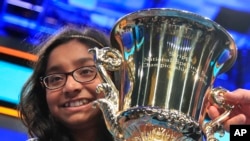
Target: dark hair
{"type": "Point", "coordinates": [33, 107]}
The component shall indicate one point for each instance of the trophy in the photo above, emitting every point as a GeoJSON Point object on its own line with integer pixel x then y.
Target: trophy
{"type": "Point", "coordinates": [158, 76]}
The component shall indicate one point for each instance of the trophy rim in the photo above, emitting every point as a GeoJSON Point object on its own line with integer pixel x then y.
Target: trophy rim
{"type": "Point", "coordinates": [186, 15]}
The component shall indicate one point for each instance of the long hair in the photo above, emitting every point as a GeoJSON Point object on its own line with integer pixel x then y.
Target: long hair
{"type": "Point", "coordinates": [34, 111]}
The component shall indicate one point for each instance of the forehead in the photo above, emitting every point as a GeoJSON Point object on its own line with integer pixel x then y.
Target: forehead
{"type": "Point", "coordinates": [70, 54]}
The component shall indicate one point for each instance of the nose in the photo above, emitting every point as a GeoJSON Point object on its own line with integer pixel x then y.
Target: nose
{"type": "Point", "coordinates": [72, 86]}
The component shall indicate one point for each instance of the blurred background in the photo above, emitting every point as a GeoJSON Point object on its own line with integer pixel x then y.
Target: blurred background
{"type": "Point", "coordinates": [22, 21]}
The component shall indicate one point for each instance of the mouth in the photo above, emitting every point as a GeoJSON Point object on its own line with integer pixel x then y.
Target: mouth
{"type": "Point", "coordinates": [77, 103]}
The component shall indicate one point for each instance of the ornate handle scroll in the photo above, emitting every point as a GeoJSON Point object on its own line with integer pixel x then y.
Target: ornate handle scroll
{"type": "Point", "coordinates": [217, 96]}
{"type": "Point", "coordinates": [108, 59]}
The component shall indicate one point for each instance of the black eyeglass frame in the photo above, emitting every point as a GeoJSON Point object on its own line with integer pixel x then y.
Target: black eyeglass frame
{"type": "Point", "coordinates": [42, 78]}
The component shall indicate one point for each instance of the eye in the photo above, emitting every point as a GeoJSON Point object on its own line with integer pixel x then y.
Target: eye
{"type": "Point", "coordinates": [86, 71]}
{"type": "Point", "coordinates": [54, 79]}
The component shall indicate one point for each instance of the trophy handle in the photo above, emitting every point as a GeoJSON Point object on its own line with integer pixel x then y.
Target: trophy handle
{"type": "Point", "coordinates": [108, 59]}
{"type": "Point", "coordinates": [217, 97]}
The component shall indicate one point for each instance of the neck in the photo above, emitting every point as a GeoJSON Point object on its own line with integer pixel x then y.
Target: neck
{"type": "Point", "coordinates": [86, 135]}
{"type": "Point", "coordinates": [95, 133]}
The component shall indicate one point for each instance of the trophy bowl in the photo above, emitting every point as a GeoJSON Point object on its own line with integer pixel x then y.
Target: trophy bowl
{"type": "Point", "coordinates": [164, 63]}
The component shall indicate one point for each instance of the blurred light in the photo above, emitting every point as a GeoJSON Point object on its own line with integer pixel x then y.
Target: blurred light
{"type": "Point", "coordinates": [102, 20]}
{"type": "Point", "coordinates": [10, 135]}
{"type": "Point", "coordinates": [85, 4]}
{"type": "Point", "coordinates": [241, 40]}
{"type": "Point", "coordinates": [13, 78]}
{"type": "Point", "coordinates": [223, 76]}
{"type": "Point", "coordinates": [247, 85]}
{"type": "Point", "coordinates": [111, 13]}
{"type": "Point", "coordinates": [132, 4]}
{"type": "Point", "coordinates": [25, 5]}
{"type": "Point", "coordinates": [19, 21]}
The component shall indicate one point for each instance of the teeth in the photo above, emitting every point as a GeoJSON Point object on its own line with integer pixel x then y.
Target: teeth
{"type": "Point", "coordinates": [76, 103]}
{"type": "Point", "coordinates": [85, 101]}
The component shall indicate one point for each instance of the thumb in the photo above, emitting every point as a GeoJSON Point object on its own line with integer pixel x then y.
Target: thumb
{"type": "Point", "coordinates": [238, 96]}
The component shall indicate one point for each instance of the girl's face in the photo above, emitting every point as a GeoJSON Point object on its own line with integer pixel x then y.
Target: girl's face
{"type": "Point", "coordinates": [72, 103]}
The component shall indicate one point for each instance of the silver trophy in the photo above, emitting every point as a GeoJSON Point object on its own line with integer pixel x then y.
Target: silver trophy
{"type": "Point", "coordinates": [164, 63]}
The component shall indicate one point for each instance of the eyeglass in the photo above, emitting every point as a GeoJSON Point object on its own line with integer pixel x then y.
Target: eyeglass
{"type": "Point", "coordinates": [58, 80]}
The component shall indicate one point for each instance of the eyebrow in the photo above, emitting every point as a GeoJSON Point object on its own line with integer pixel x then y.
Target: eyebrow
{"type": "Point", "coordinates": [84, 61]}
{"type": "Point", "coordinates": [79, 62]}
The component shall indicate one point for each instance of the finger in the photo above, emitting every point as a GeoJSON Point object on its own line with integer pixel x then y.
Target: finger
{"type": "Point", "coordinates": [236, 120]}
{"type": "Point", "coordinates": [213, 112]}
{"type": "Point", "coordinates": [238, 96]}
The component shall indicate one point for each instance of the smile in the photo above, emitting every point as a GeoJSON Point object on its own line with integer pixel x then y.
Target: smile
{"type": "Point", "coordinates": [76, 103]}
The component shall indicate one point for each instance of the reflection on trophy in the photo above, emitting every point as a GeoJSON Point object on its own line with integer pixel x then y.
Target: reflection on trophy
{"type": "Point", "coordinates": [164, 63]}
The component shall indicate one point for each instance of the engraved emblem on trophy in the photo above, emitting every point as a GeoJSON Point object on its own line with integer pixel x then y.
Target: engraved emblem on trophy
{"type": "Point", "coordinates": [164, 63]}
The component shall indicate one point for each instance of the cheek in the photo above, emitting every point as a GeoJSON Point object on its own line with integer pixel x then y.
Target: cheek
{"type": "Point", "coordinates": [52, 98]}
